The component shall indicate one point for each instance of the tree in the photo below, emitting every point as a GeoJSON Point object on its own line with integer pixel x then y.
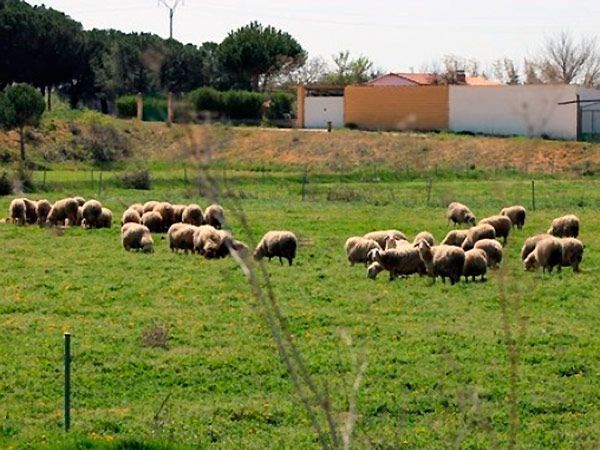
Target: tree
{"type": "Point", "coordinates": [254, 54]}
{"type": "Point", "coordinates": [506, 71]}
{"type": "Point", "coordinates": [182, 68]}
{"type": "Point", "coordinates": [312, 71]}
{"type": "Point", "coordinates": [350, 71]}
{"type": "Point", "coordinates": [21, 105]}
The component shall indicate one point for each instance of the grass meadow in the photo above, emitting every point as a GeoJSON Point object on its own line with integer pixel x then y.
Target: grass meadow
{"type": "Point", "coordinates": [447, 366]}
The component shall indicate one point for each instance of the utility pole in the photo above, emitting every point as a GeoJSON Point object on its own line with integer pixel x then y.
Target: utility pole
{"type": "Point", "coordinates": [171, 6]}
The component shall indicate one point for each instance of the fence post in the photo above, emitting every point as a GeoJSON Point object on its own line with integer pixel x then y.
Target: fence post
{"type": "Point", "coordinates": [140, 106]}
{"type": "Point", "coordinates": [169, 108]}
{"type": "Point", "coordinates": [67, 380]}
{"type": "Point", "coordinates": [533, 194]}
{"type": "Point", "coordinates": [429, 183]}
{"type": "Point", "coordinates": [304, 181]}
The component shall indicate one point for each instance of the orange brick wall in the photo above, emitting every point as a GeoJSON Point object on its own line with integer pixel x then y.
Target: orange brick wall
{"type": "Point", "coordinates": [397, 107]}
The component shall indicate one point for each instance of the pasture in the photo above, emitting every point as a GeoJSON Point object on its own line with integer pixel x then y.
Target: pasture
{"type": "Point", "coordinates": [439, 356]}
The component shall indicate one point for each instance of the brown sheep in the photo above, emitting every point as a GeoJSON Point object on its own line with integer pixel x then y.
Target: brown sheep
{"type": "Point", "coordinates": [131, 216]}
{"type": "Point", "coordinates": [492, 249]}
{"type": "Point", "coordinates": [547, 254]}
{"type": "Point", "coordinates": [138, 207]}
{"type": "Point", "coordinates": [281, 244]}
{"type": "Point", "coordinates": [459, 214]}
{"type": "Point", "coordinates": [402, 261]}
{"type": "Point", "coordinates": [181, 237]}
{"type": "Point", "coordinates": [208, 241]}
{"type": "Point", "coordinates": [477, 233]}
{"type": "Point", "coordinates": [572, 253]}
{"type": "Point", "coordinates": [136, 237]}
{"type": "Point", "coordinates": [442, 260]}
{"type": "Point", "coordinates": [215, 216]}
{"type": "Point", "coordinates": [17, 211]}
{"type": "Point", "coordinates": [42, 209]}
{"type": "Point", "coordinates": [165, 209]}
{"type": "Point", "coordinates": [455, 237]}
{"type": "Point", "coordinates": [516, 214]}
{"type": "Point", "coordinates": [178, 213]}
{"type": "Point", "coordinates": [80, 200]}
{"type": "Point", "coordinates": [530, 244]}
{"type": "Point", "coordinates": [105, 220]}
{"type": "Point", "coordinates": [380, 236]}
{"type": "Point", "coordinates": [30, 211]}
{"type": "Point", "coordinates": [153, 221]}
{"type": "Point", "coordinates": [63, 212]}
{"type": "Point", "coordinates": [357, 248]}
{"type": "Point", "coordinates": [502, 226]}
{"type": "Point", "coordinates": [475, 265]}
{"type": "Point", "coordinates": [192, 214]}
{"type": "Point", "coordinates": [92, 209]}
{"type": "Point", "coordinates": [149, 206]}
{"type": "Point", "coordinates": [424, 236]}
{"type": "Point", "coordinates": [565, 226]}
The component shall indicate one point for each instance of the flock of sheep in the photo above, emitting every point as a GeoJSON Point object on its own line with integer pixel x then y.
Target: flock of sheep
{"type": "Point", "coordinates": [466, 252]}
{"type": "Point", "coordinates": [188, 227]}
{"type": "Point", "coordinates": [463, 252]}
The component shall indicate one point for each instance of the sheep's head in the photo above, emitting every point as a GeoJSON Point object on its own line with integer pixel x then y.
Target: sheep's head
{"type": "Point", "coordinates": [373, 270]}
{"type": "Point", "coordinates": [470, 218]}
{"type": "Point", "coordinates": [530, 262]}
{"type": "Point", "coordinates": [211, 250]}
{"type": "Point", "coordinates": [259, 253]}
{"type": "Point", "coordinates": [373, 255]}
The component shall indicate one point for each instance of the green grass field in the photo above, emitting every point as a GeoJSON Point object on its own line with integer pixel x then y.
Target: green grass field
{"type": "Point", "coordinates": [438, 356]}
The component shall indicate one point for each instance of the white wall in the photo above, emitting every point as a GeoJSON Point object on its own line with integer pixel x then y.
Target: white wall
{"type": "Point", "coordinates": [531, 110]}
{"type": "Point", "coordinates": [320, 110]}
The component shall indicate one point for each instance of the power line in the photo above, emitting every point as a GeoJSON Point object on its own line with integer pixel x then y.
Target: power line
{"type": "Point", "coordinates": [171, 6]}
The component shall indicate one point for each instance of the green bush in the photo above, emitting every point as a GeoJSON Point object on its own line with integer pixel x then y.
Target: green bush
{"type": "Point", "coordinates": [206, 99]}
{"type": "Point", "coordinates": [135, 179]}
{"type": "Point", "coordinates": [282, 104]}
{"type": "Point", "coordinates": [126, 106]}
{"type": "Point", "coordinates": [5, 184]}
{"type": "Point", "coordinates": [243, 104]}
{"type": "Point", "coordinates": [155, 108]}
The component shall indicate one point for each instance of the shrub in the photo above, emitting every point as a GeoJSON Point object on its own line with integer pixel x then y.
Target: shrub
{"type": "Point", "coordinates": [126, 106]}
{"type": "Point", "coordinates": [206, 99]}
{"type": "Point", "coordinates": [243, 104]}
{"type": "Point", "coordinates": [5, 184]}
{"type": "Point", "coordinates": [155, 109]}
{"type": "Point", "coordinates": [106, 143]}
{"type": "Point", "coordinates": [282, 105]}
{"type": "Point", "coordinates": [135, 179]}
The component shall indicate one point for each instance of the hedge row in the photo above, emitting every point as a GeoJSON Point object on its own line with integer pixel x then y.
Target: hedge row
{"type": "Point", "coordinates": [155, 109]}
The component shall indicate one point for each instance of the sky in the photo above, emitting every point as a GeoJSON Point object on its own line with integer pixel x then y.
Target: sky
{"type": "Point", "coordinates": [396, 35]}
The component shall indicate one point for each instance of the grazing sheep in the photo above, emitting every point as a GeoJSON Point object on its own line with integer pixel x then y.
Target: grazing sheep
{"type": "Point", "coordinates": [136, 237]}
{"type": "Point", "coordinates": [373, 270]}
{"type": "Point", "coordinates": [492, 249]}
{"type": "Point", "coordinates": [502, 226]}
{"type": "Point", "coordinates": [516, 214]}
{"type": "Point", "coordinates": [105, 220]}
{"type": "Point", "coordinates": [207, 241]}
{"type": "Point", "coordinates": [165, 209]}
{"type": "Point", "coordinates": [357, 249]}
{"type": "Point", "coordinates": [572, 253]}
{"type": "Point", "coordinates": [424, 236]}
{"type": "Point", "coordinates": [178, 213]}
{"type": "Point", "coordinates": [153, 221]}
{"type": "Point", "coordinates": [215, 216]}
{"type": "Point", "coordinates": [530, 244]}
{"type": "Point", "coordinates": [138, 207]}
{"type": "Point", "coordinates": [381, 236]}
{"type": "Point", "coordinates": [192, 214]}
{"type": "Point", "coordinates": [42, 209]}
{"type": "Point", "coordinates": [30, 211]}
{"type": "Point", "coordinates": [547, 254]}
{"type": "Point", "coordinates": [443, 260]}
{"type": "Point", "coordinates": [80, 200]}
{"type": "Point", "coordinates": [229, 245]}
{"type": "Point", "coordinates": [281, 244]}
{"type": "Point", "coordinates": [565, 226]}
{"type": "Point", "coordinates": [149, 206]}
{"type": "Point", "coordinates": [130, 216]}
{"type": "Point", "coordinates": [455, 237]}
{"type": "Point", "coordinates": [391, 242]}
{"type": "Point", "coordinates": [63, 212]}
{"type": "Point", "coordinates": [17, 211]}
{"type": "Point", "coordinates": [92, 209]}
{"type": "Point", "coordinates": [477, 233]}
{"type": "Point", "coordinates": [400, 261]}
{"type": "Point", "coordinates": [181, 237]}
{"type": "Point", "coordinates": [476, 263]}
{"type": "Point", "coordinates": [459, 214]}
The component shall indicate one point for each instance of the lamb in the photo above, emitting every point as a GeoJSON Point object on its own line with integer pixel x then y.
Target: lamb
{"type": "Point", "coordinates": [477, 233]}
{"type": "Point", "coordinates": [502, 226]}
{"type": "Point", "coordinates": [178, 213]}
{"type": "Point", "coordinates": [424, 236]}
{"type": "Point", "coordinates": [443, 260]}
{"type": "Point", "coordinates": [17, 211]}
{"type": "Point", "coordinates": [149, 206]}
{"type": "Point", "coordinates": [459, 214]}
{"type": "Point", "coordinates": [455, 238]}
{"type": "Point", "coordinates": [63, 211]}
{"type": "Point", "coordinates": [92, 209]}
{"type": "Point", "coordinates": [373, 270]}
{"type": "Point", "coordinates": [357, 248]}
{"type": "Point", "coordinates": [192, 214]}
{"type": "Point", "coordinates": [281, 244]}
{"type": "Point", "coordinates": [136, 237]}
{"type": "Point", "coordinates": [215, 216]}
{"type": "Point", "coordinates": [80, 200]}
{"type": "Point", "coordinates": [381, 236]}
{"type": "Point", "coordinates": [130, 216]}
{"type": "Point", "coordinates": [207, 241]}
{"type": "Point", "coordinates": [153, 221]}
{"type": "Point", "coordinates": [138, 207]}
{"type": "Point", "coordinates": [181, 237]}
{"type": "Point", "coordinates": [547, 254]}
{"type": "Point", "coordinates": [572, 253]}
{"type": "Point", "coordinates": [565, 226]}
{"type": "Point", "coordinates": [165, 209]}
{"type": "Point", "coordinates": [105, 220]}
{"type": "Point", "coordinates": [476, 263]}
{"type": "Point", "coordinates": [530, 244]}
{"type": "Point", "coordinates": [400, 261]}
{"type": "Point", "coordinates": [42, 209]}
{"type": "Point", "coordinates": [30, 211]}
{"type": "Point", "coordinates": [492, 249]}
{"type": "Point", "coordinates": [516, 214]}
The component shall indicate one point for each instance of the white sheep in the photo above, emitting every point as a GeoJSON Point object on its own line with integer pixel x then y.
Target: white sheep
{"type": "Point", "coordinates": [178, 213]}
{"type": "Point", "coordinates": [502, 226]}
{"type": "Point", "coordinates": [547, 254]}
{"type": "Point", "coordinates": [193, 215]}
{"type": "Point", "coordinates": [42, 209]}
{"type": "Point", "coordinates": [476, 263]}
{"type": "Point", "coordinates": [357, 249]}
{"type": "Point", "coordinates": [207, 241]}
{"type": "Point", "coordinates": [380, 236]}
{"type": "Point", "coordinates": [63, 211]}
{"type": "Point", "coordinates": [565, 226]}
{"type": "Point", "coordinates": [136, 237]}
{"type": "Point", "coordinates": [424, 236]}
{"type": "Point", "coordinates": [374, 269]}
{"type": "Point", "coordinates": [516, 214]}
{"type": "Point", "coordinates": [131, 215]}
{"type": "Point", "coordinates": [280, 244]}
{"type": "Point", "coordinates": [443, 260]}
{"type": "Point", "coordinates": [215, 216]}
{"type": "Point", "coordinates": [165, 209]}
{"type": "Point", "coordinates": [17, 211]}
{"type": "Point", "coordinates": [149, 206]}
{"type": "Point", "coordinates": [492, 249]}
{"type": "Point", "coordinates": [153, 221]}
{"type": "Point", "coordinates": [181, 237]}
{"type": "Point", "coordinates": [105, 220]}
{"type": "Point", "coordinates": [91, 211]}
{"type": "Point", "coordinates": [572, 253]}
{"type": "Point", "coordinates": [459, 214]}
{"type": "Point", "coordinates": [530, 244]}
{"type": "Point", "coordinates": [477, 233]}
{"type": "Point", "coordinates": [402, 261]}
{"type": "Point", "coordinates": [455, 238]}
